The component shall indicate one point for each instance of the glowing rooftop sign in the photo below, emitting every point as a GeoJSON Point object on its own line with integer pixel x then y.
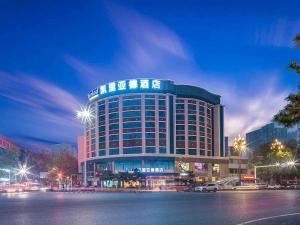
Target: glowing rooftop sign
{"type": "Point", "coordinates": [125, 85]}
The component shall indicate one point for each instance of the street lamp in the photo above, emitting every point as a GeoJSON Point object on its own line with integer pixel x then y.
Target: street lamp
{"type": "Point", "coordinates": [84, 114]}
{"type": "Point", "coordinates": [239, 145]}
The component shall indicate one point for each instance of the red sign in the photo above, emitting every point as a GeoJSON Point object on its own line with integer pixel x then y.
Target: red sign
{"type": "Point", "coordinates": [248, 177]}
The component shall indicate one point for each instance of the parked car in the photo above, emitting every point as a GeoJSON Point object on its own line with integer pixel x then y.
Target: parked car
{"type": "Point", "coordinates": [207, 187]}
{"type": "Point", "coordinates": [276, 186]}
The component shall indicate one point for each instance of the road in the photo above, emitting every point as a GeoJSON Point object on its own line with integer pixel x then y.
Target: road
{"type": "Point", "coordinates": [252, 207]}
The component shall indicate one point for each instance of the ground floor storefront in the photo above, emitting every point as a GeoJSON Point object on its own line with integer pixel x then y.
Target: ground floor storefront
{"type": "Point", "coordinates": [153, 172]}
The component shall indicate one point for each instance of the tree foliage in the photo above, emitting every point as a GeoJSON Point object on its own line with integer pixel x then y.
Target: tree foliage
{"type": "Point", "coordinates": [290, 115]}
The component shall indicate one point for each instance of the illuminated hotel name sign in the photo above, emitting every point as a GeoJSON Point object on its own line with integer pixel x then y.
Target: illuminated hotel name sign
{"type": "Point", "coordinates": [125, 85]}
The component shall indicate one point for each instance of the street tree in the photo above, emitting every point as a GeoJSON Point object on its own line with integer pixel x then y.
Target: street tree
{"type": "Point", "coordinates": [290, 114]}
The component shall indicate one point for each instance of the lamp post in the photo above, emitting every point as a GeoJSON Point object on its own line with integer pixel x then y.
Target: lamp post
{"type": "Point", "coordinates": [239, 144]}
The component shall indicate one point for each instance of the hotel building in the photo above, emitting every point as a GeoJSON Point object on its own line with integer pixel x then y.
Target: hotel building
{"type": "Point", "coordinates": [161, 128]}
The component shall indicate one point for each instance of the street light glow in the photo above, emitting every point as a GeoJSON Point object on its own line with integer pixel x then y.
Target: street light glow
{"type": "Point", "coordinates": [23, 171]}
{"type": "Point", "coordinates": [239, 144]}
{"type": "Point", "coordinates": [84, 114]}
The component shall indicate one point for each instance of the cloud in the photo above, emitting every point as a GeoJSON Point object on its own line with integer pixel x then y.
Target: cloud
{"type": "Point", "coordinates": [279, 34]}
{"type": "Point", "coordinates": [147, 41]}
{"type": "Point", "coordinates": [45, 110]}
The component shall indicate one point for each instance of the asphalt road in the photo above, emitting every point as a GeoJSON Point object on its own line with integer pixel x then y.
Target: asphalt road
{"type": "Point", "coordinates": [252, 207]}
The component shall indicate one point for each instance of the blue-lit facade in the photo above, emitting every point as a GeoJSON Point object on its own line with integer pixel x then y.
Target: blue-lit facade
{"type": "Point", "coordinates": [153, 125]}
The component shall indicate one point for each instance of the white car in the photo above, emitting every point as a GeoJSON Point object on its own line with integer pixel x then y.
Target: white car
{"type": "Point", "coordinates": [207, 187]}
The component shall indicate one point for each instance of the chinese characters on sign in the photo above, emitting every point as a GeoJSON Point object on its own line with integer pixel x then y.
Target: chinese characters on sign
{"type": "Point", "coordinates": [124, 85]}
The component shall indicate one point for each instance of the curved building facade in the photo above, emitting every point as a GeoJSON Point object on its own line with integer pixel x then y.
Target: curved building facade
{"type": "Point", "coordinates": [155, 126]}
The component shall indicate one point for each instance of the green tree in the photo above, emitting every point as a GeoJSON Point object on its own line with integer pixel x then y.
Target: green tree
{"type": "Point", "coordinates": [290, 115]}
{"type": "Point", "coordinates": [272, 153]}
{"type": "Point", "coordinates": [65, 162]}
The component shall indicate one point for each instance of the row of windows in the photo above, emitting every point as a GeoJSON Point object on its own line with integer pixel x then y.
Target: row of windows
{"type": "Point", "coordinates": [115, 151]}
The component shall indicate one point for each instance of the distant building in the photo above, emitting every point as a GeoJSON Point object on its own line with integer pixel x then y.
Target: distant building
{"type": "Point", "coordinates": [81, 157]}
{"type": "Point", "coordinates": [269, 133]}
{"type": "Point", "coordinates": [7, 144]}
{"type": "Point", "coordinates": [227, 152]}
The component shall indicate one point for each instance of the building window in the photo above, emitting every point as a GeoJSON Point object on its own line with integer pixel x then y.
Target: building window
{"type": "Point", "coordinates": [114, 151]}
{"type": "Point", "coordinates": [192, 127]}
{"type": "Point", "coordinates": [129, 114]}
{"type": "Point", "coordinates": [132, 150]}
{"type": "Point", "coordinates": [150, 124]}
{"type": "Point", "coordinates": [132, 125]}
{"type": "Point", "coordinates": [162, 114]}
{"type": "Point", "coordinates": [150, 149]}
{"type": "Point", "coordinates": [162, 102]}
{"type": "Point", "coordinates": [132, 136]}
{"type": "Point", "coordinates": [192, 117]}
{"type": "Point", "coordinates": [191, 107]}
{"type": "Point", "coordinates": [179, 106]}
{"type": "Point", "coordinates": [179, 127]}
{"type": "Point", "coordinates": [113, 137]}
{"type": "Point", "coordinates": [149, 102]}
{"type": "Point", "coordinates": [180, 151]}
{"type": "Point", "coordinates": [162, 135]}
{"type": "Point", "coordinates": [101, 152]}
{"type": "Point", "coordinates": [162, 150]}
{"type": "Point", "coordinates": [150, 135]}
{"type": "Point", "coordinates": [149, 113]}
{"type": "Point", "coordinates": [113, 116]}
{"type": "Point", "coordinates": [101, 139]}
{"type": "Point", "coordinates": [179, 117]}
{"type": "Point", "coordinates": [192, 152]}
{"type": "Point", "coordinates": [202, 152]}
{"type": "Point", "coordinates": [180, 138]}
{"type": "Point", "coordinates": [114, 126]}
{"type": "Point", "coordinates": [162, 125]}
{"type": "Point", "coordinates": [192, 138]}
{"type": "Point", "coordinates": [136, 102]}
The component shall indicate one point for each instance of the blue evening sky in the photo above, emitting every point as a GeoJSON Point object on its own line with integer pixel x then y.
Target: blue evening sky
{"type": "Point", "coordinates": [53, 52]}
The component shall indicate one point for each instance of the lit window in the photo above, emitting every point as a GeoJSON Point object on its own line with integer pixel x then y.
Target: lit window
{"type": "Point", "coordinates": [156, 84]}
{"type": "Point", "coordinates": [133, 84]}
{"type": "Point", "coordinates": [112, 87]}
{"type": "Point", "coordinates": [103, 89]}
{"type": "Point", "coordinates": [144, 83]}
{"type": "Point", "coordinates": [122, 85]}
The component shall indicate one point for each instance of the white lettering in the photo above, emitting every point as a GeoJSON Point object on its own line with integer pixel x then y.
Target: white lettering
{"type": "Point", "coordinates": [156, 84]}
{"type": "Point", "coordinates": [122, 85]}
{"type": "Point", "coordinates": [133, 84]}
{"type": "Point", "coordinates": [144, 83]}
{"type": "Point", "coordinates": [112, 87]}
{"type": "Point", "coordinates": [103, 89]}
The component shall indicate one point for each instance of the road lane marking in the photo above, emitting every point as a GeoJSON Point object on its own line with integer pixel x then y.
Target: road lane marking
{"type": "Point", "coordinates": [267, 218]}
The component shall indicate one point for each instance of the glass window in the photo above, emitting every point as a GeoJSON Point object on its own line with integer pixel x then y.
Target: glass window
{"type": "Point", "coordinates": [192, 152]}
{"type": "Point", "coordinates": [202, 152]}
{"type": "Point", "coordinates": [114, 137]}
{"type": "Point", "coordinates": [150, 113]}
{"type": "Point", "coordinates": [102, 128]}
{"type": "Point", "coordinates": [191, 107]}
{"type": "Point", "coordinates": [128, 114]}
{"type": "Point", "coordinates": [114, 151]}
{"type": "Point", "coordinates": [180, 138]}
{"type": "Point", "coordinates": [180, 151]}
{"type": "Point", "coordinates": [102, 118]}
{"type": "Point", "coordinates": [101, 107]}
{"type": "Point", "coordinates": [202, 139]}
{"type": "Point", "coordinates": [162, 125]}
{"type": "Point", "coordinates": [163, 150]}
{"type": "Point", "coordinates": [113, 105]}
{"type": "Point", "coordinates": [150, 149]}
{"type": "Point", "coordinates": [114, 126]}
{"type": "Point", "coordinates": [135, 102]}
{"type": "Point", "coordinates": [179, 127]}
{"type": "Point", "coordinates": [201, 119]}
{"type": "Point", "coordinates": [162, 102]}
{"type": "Point", "coordinates": [150, 124]}
{"type": "Point", "coordinates": [149, 102]}
{"type": "Point", "coordinates": [192, 138]}
{"type": "Point", "coordinates": [101, 152]}
{"type": "Point", "coordinates": [162, 135]}
{"type": "Point", "coordinates": [132, 125]}
{"type": "Point", "coordinates": [192, 117]}
{"type": "Point", "coordinates": [101, 139]}
{"type": "Point", "coordinates": [179, 106]}
{"type": "Point", "coordinates": [132, 150]}
{"type": "Point", "coordinates": [201, 109]}
{"type": "Point", "coordinates": [132, 136]}
{"type": "Point", "coordinates": [202, 129]}
{"type": "Point", "coordinates": [162, 114]}
{"type": "Point", "coordinates": [179, 117]}
{"type": "Point", "coordinates": [192, 127]}
{"type": "Point", "coordinates": [150, 135]}
{"type": "Point", "coordinates": [113, 116]}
